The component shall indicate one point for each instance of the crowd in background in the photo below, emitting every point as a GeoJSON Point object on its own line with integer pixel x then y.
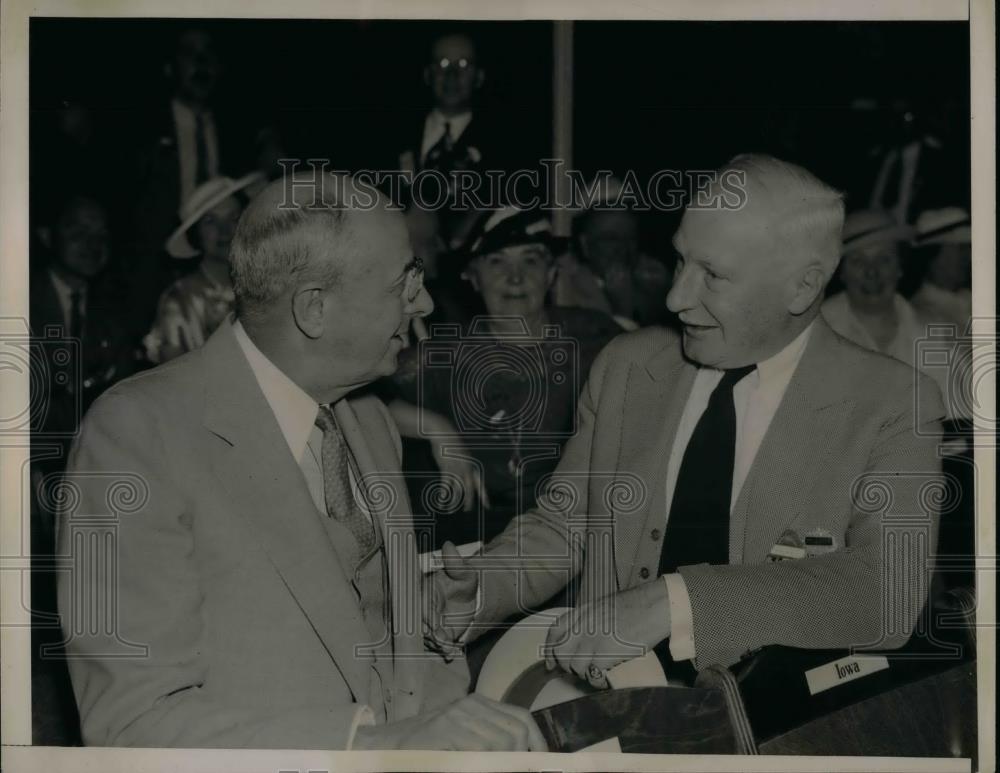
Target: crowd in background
{"type": "Point", "coordinates": [131, 231]}
{"type": "Point", "coordinates": [132, 261]}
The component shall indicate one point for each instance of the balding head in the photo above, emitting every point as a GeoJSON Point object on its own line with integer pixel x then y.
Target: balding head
{"type": "Point", "coordinates": [325, 282]}
{"type": "Point", "coordinates": [750, 279]}
{"type": "Point", "coordinates": [300, 227]}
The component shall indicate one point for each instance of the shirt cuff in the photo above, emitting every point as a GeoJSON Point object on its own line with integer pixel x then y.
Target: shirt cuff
{"type": "Point", "coordinates": [479, 605]}
{"type": "Point", "coordinates": [363, 716]}
{"type": "Point", "coordinates": [681, 618]}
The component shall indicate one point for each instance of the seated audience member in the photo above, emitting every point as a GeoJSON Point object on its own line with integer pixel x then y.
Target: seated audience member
{"type": "Point", "coordinates": [608, 272]}
{"type": "Point", "coordinates": [943, 247]}
{"type": "Point", "coordinates": [516, 372]}
{"type": "Point", "coordinates": [192, 308]}
{"type": "Point", "coordinates": [72, 290]}
{"type": "Point", "coordinates": [749, 444]}
{"type": "Point", "coordinates": [870, 310]}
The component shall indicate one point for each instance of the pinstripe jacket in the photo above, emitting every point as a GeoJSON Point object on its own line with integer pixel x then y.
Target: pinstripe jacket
{"type": "Point", "coordinates": [850, 455]}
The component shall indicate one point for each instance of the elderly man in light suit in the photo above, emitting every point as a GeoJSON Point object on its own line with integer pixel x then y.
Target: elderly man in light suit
{"type": "Point", "coordinates": [267, 595]}
{"type": "Point", "coordinates": [776, 475]}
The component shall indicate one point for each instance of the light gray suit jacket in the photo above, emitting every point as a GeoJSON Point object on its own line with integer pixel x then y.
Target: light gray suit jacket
{"type": "Point", "coordinates": [850, 453]}
{"type": "Point", "coordinates": [232, 622]}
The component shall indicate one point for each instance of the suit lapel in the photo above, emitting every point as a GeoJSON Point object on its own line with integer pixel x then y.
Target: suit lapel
{"type": "Point", "coordinates": [654, 401]}
{"type": "Point", "coordinates": [253, 463]}
{"type": "Point", "coordinates": [790, 460]}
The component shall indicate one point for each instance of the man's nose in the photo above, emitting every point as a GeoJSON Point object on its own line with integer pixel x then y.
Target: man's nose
{"type": "Point", "coordinates": [682, 294]}
{"type": "Point", "coordinates": [422, 305]}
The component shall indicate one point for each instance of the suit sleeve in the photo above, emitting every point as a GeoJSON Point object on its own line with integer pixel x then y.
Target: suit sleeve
{"type": "Point", "coordinates": [132, 611]}
{"type": "Point", "coordinates": [869, 593]}
{"type": "Point", "coordinates": [536, 556]}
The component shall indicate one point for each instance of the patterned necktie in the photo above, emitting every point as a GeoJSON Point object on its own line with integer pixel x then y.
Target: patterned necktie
{"type": "Point", "coordinates": [698, 528]}
{"type": "Point", "coordinates": [340, 501]}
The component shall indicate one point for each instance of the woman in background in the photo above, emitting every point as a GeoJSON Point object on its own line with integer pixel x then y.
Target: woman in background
{"type": "Point", "coordinates": [192, 308]}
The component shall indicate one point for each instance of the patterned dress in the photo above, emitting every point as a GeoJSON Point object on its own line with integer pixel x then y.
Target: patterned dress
{"type": "Point", "coordinates": [189, 311]}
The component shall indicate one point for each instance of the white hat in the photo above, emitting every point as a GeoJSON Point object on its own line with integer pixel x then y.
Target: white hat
{"type": "Point", "coordinates": [514, 671]}
{"type": "Point", "coordinates": [201, 200]}
{"type": "Point", "coordinates": [867, 227]}
{"type": "Point", "coordinates": [950, 225]}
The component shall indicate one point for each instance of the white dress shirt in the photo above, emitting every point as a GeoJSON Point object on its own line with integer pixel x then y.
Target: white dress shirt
{"type": "Point", "coordinates": [64, 293]}
{"type": "Point", "coordinates": [185, 125]}
{"type": "Point", "coordinates": [756, 399]}
{"type": "Point", "coordinates": [434, 129]}
{"type": "Point", "coordinates": [296, 414]}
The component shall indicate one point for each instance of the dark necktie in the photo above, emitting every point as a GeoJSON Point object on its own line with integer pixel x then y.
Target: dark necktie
{"type": "Point", "coordinates": [201, 150]}
{"type": "Point", "coordinates": [76, 314]}
{"type": "Point", "coordinates": [340, 501]}
{"type": "Point", "coordinates": [439, 156]}
{"type": "Point", "coordinates": [698, 527]}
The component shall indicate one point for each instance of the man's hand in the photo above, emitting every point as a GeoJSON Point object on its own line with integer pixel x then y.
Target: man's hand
{"type": "Point", "coordinates": [473, 723]}
{"type": "Point", "coordinates": [593, 637]}
{"type": "Point", "coordinates": [453, 590]}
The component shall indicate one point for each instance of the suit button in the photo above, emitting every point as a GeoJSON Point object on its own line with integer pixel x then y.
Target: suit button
{"type": "Point", "coordinates": [388, 696]}
{"type": "Point", "coordinates": [655, 534]}
{"type": "Point", "coordinates": [644, 573]}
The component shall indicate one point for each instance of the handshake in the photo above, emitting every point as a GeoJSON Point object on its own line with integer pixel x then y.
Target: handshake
{"type": "Point", "coordinates": [472, 723]}
{"type": "Point", "coordinates": [576, 643]}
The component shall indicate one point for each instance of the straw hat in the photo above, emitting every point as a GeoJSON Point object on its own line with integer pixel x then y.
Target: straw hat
{"type": "Point", "coordinates": [873, 226]}
{"type": "Point", "coordinates": [201, 200]}
{"type": "Point", "coordinates": [950, 225]}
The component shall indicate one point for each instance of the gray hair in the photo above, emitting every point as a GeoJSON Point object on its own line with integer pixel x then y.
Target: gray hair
{"type": "Point", "coordinates": [274, 247]}
{"type": "Point", "coordinates": [806, 210]}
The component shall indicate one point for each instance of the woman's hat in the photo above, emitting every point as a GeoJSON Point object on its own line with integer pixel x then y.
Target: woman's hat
{"type": "Point", "coordinates": [201, 200]}
{"type": "Point", "coordinates": [950, 225]}
{"type": "Point", "coordinates": [873, 226]}
{"type": "Point", "coordinates": [512, 227]}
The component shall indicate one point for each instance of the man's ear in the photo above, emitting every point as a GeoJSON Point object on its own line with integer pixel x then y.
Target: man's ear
{"type": "Point", "coordinates": [308, 309]}
{"type": "Point", "coordinates": [811, 285]}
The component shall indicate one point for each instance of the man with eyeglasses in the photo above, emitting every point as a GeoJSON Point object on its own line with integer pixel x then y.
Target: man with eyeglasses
{"type": "Point", "coordinates": [457, 136]}
{"type": "Point", "coordinates": [264, 576]}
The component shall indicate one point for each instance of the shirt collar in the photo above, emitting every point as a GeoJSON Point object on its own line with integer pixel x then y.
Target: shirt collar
{"type": "Point", "coordinates": [292, 407]}
{"type": "Point", "coordinates": [456, 123]}
{"type": "Point", "coordinates": [64, 288]}
{"type": "Point", "coordinates": [784, 362]}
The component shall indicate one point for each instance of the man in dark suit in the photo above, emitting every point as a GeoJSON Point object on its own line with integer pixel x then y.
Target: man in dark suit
{"type": "Point", "coordinates": [183, 144]}
{"type": "Point", "coordinates": [756, 481]}
{"type": "Point", "coordinates": [266, 590]}
{"type": "Point", "coordinates": [456, 135]}
{"type": "Point", "coordinates": [73, 295]}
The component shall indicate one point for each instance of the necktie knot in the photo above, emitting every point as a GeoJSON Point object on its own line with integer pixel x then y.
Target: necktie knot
{"type": "Point", "coordinates": [325, 419]}
{"type": "Point", "coordinates": [732, 377]}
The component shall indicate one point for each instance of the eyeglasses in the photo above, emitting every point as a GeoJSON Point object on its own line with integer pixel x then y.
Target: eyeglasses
{"type": "Point", "coordinates": [444, 65]}
{"type": "Point", "coordinates": [414, 281]}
